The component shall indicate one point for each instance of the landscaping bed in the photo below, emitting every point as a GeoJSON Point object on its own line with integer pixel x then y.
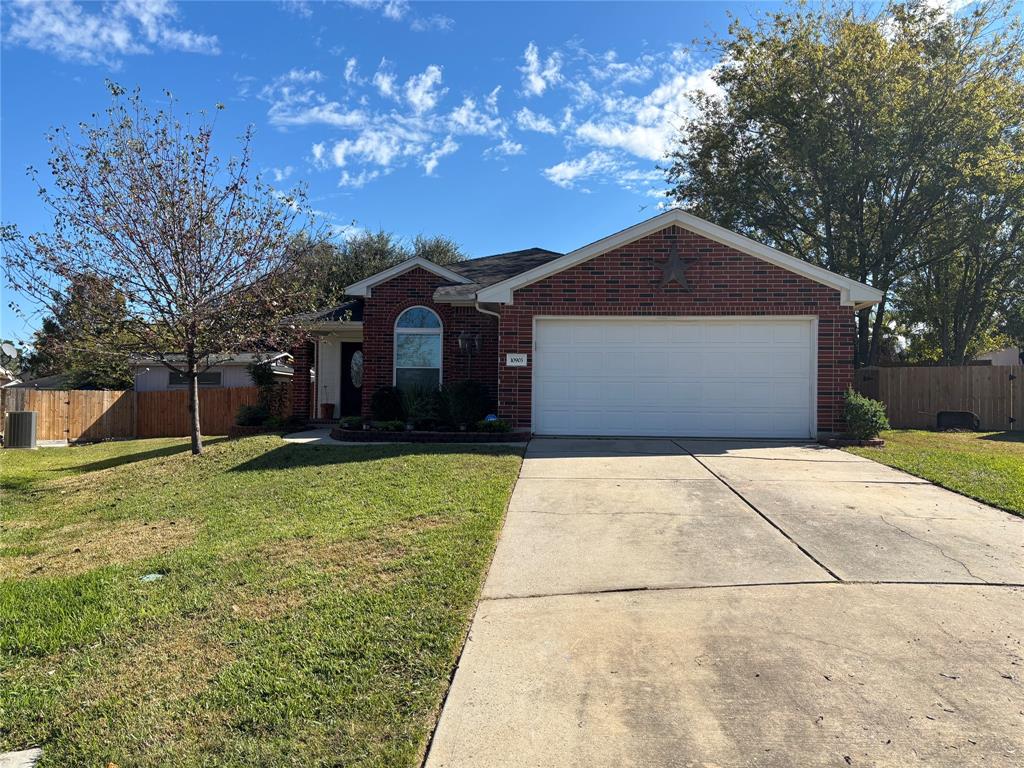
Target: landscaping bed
{"type": "Point", "coordinates": [303, 604]}
{"type": "Point", "coordinates": [423, 436]}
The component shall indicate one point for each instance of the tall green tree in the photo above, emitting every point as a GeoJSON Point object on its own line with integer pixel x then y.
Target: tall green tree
{"type": "Point", "coordinates": [328, 266]}
{"type": "Point", "coordinates": [83, 339]}
{"type": "Point", "coordinates": [843, 137]}
{"type": "Point", "coordinates": [958, 300]}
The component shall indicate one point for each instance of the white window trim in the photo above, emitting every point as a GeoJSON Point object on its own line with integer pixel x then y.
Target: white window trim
{"type": "Point", "coordinates": [439, 332]}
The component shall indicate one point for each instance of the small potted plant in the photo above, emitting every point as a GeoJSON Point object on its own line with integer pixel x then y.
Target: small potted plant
{"type": "Point", "coordinates": [326, 411]}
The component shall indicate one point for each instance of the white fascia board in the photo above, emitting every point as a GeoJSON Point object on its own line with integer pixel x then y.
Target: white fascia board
{"type": "Point", "coordinates": [852, 292]}
{"type": "Point", "coordinates": [363, 287]}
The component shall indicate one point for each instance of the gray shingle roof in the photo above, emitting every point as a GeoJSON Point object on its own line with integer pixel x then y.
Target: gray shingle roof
{"type": "Point", "coordinates": [488, 270]}
{"type": "Point", "coordinates": [350, 311]}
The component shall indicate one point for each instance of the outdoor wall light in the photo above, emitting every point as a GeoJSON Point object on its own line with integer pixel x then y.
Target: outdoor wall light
{"type": "Point", "coordinates": [469, 342]}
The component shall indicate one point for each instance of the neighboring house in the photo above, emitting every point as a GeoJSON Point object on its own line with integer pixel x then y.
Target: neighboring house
{"type": "Point", "coordinates": [153, 376]}
{"type": "Point", "coordinates": [674, 326]}
{"type": "Point", "coordinates": [1004, 356]}
{"type": "Point", "coordinates": [7, 378]}
{"type": "Point", "coordinates": [56, 381]}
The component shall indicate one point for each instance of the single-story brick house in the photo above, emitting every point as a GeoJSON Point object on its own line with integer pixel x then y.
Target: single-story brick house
{"type": "Point", "coordinates": [674, 326]}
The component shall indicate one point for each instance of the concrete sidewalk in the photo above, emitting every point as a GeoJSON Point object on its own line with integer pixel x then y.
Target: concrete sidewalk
{"type": "Point", "coordinates": [709, 603]}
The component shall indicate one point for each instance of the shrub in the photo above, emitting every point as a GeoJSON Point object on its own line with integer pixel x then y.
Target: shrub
{"type": "Point", "coordinates": [425, 408]}
{"type": "Point", "coordinates": [865, 418]}
{"type": "Point", "coordinates": [494, 425]}
{"type": "Point", "coordinates": [251, 416]}
{"type": "Point", "coordinates": [467, 401]}
{"type": "Point", "coordinates": [386, 405]}
{"type": "Point", "coordinates": [391, 426]}
{"type": "Point", "coordinates": [351, 422]}
{"type": "Point", "coordinates": [294, 422]}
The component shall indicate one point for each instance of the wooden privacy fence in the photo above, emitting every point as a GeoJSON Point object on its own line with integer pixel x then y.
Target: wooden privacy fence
{"type": "Point", "coordinates": [84, 415]}
{"type": "Point", "coordinates": [75, 414]}
{"type": "Point", "coordinates": [165, 414]}
{"type": "Point", "coordinates": [914, 395]}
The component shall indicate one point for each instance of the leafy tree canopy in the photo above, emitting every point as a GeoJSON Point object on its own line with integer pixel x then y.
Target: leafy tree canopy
{"type": "Point", "coordinates": [844, 138]}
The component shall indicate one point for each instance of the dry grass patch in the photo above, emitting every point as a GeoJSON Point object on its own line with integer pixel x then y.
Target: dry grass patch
{"type": "Point", "coordinates": [80, 547]}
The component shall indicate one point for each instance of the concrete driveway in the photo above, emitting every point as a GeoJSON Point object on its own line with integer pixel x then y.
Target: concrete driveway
{"type": "Point", "coordinates": [714, 603]}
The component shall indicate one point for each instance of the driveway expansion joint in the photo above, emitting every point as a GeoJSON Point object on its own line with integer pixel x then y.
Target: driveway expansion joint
{"type": "Point", "coordinates": [763, 516]}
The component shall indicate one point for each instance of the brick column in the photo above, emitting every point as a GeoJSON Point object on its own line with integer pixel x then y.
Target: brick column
{"type": "Point", "coordinates": [302, 362]}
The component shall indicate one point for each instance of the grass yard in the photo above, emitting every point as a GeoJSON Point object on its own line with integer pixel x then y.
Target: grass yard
{"type": "Point", "coordinates": [987, 466]}
{"type": "Point", "coordinates": [311, 608]}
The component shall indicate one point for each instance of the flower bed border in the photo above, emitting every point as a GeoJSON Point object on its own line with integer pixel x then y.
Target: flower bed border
{"type": "Point", "coordinates": [416, 436]}
{"type": "Point", "coordinates": [848, 442]}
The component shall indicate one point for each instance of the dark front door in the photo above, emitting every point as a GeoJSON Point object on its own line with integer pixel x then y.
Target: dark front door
{"type": "Point", "coordinates": [351, 378]}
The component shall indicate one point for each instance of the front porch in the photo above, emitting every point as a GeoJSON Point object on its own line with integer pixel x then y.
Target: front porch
{"type": "Point", "coordinates": [328, 370]}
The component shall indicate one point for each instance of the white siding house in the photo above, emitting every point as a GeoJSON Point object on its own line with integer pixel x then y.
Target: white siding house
{"type": "Point", "coordinates": [154, 376]}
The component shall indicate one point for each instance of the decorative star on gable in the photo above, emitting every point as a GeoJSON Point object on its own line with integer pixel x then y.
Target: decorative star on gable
{"type": "Point", "coordinates": [675, 269]}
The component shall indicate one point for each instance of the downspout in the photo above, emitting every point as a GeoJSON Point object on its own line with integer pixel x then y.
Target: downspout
{"type": "Point", "coordinates": [476, 305]}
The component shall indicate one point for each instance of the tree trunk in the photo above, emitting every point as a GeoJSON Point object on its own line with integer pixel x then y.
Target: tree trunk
{"type": "Point", "coordinates": [193, 408]}
{"type": "Point", "coordinates": [877, 329]}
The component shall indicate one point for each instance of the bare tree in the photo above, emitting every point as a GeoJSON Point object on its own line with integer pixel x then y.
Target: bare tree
{"type": "Point", "coordinates": [197, 246]}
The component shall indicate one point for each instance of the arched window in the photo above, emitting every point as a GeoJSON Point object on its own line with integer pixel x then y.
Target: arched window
{"type": "Point", "coordinates": [418, 349]}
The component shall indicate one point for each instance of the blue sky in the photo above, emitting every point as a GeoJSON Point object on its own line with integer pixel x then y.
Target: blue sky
{"type": "Point", "coordinates": [503, 125]}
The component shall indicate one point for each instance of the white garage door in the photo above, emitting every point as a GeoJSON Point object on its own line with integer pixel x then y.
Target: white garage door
{"type": "Point", "coordinates": [684, 377]}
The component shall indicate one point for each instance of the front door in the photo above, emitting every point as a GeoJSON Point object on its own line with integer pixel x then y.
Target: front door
{"type": "Point", "coordinates": [351, 378]}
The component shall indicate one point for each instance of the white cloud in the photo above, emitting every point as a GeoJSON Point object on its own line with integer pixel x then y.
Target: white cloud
{"type": "Point", "coordinates": [390, 9]}
{"type": "Point", "coordinates": [948, 7]}
{"type": "Point", "coordinates": [282, 174]}
{"type": "Point", "coordinates": [430, 160]}
{"type": "Point", "coordinates": [568, 173]}
{"type": "Point", "coordinates": [298, 7]}
{"type": "Point", "coordinates": [528, 120]}
{"type": "Point", "coordinates": [421, 91]}
{"type": "Point", "coordinates": [645, 126]}
{"type": "Point", "coordinates": [466, 118]}
{"type": "Point", "coordinates": [356, 181]}
{"type": "Point", "coordinates": [539, 74]}
{"type": "Point", "coordinates": [352, 72]}
{"type": "Point", "coordinates": [293, 102]}
{"type": "Point", "coordinates": [384, 80]}
{"type": "Point", "coordinates": [507, 148]}
{"type": "Point", "coordinates": [608, 68]}
{"type": "Point", "coordinates": [435, 23]}
{"type": "Point", "coordinates": [122, 28]}
{"type": "Point", "coordinates": [491, 101]}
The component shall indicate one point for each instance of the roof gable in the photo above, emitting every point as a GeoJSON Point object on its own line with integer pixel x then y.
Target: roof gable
{"type": "Point", "coordinates": [852, 292]}
{"type": "Point", "coordinates": [365, 287]}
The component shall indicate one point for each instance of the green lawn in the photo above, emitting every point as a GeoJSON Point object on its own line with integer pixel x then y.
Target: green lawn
{"type": "Point", "coordinates": [987, 466]}
{"type": "Point", "coordinates": [312, 605]}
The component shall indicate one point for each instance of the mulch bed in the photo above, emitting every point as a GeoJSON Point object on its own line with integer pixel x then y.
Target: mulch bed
{"type": "Point", "coordinates": [380, 436]}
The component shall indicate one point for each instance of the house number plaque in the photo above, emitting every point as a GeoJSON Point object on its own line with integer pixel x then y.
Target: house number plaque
{"type": "Point", "coordinates": [516, 360]}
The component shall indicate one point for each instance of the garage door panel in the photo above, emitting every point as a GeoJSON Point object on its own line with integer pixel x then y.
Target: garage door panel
{"type": "Point", "coordinates": [732, 378]}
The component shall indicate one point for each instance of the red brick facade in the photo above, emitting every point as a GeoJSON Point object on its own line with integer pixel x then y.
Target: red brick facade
{"type": "Point", "coordinates": [623, 282]}
{"type": "Point", "coordinates": [722, 281]}
{"type": "Point", "coordinates": [416, 288]}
